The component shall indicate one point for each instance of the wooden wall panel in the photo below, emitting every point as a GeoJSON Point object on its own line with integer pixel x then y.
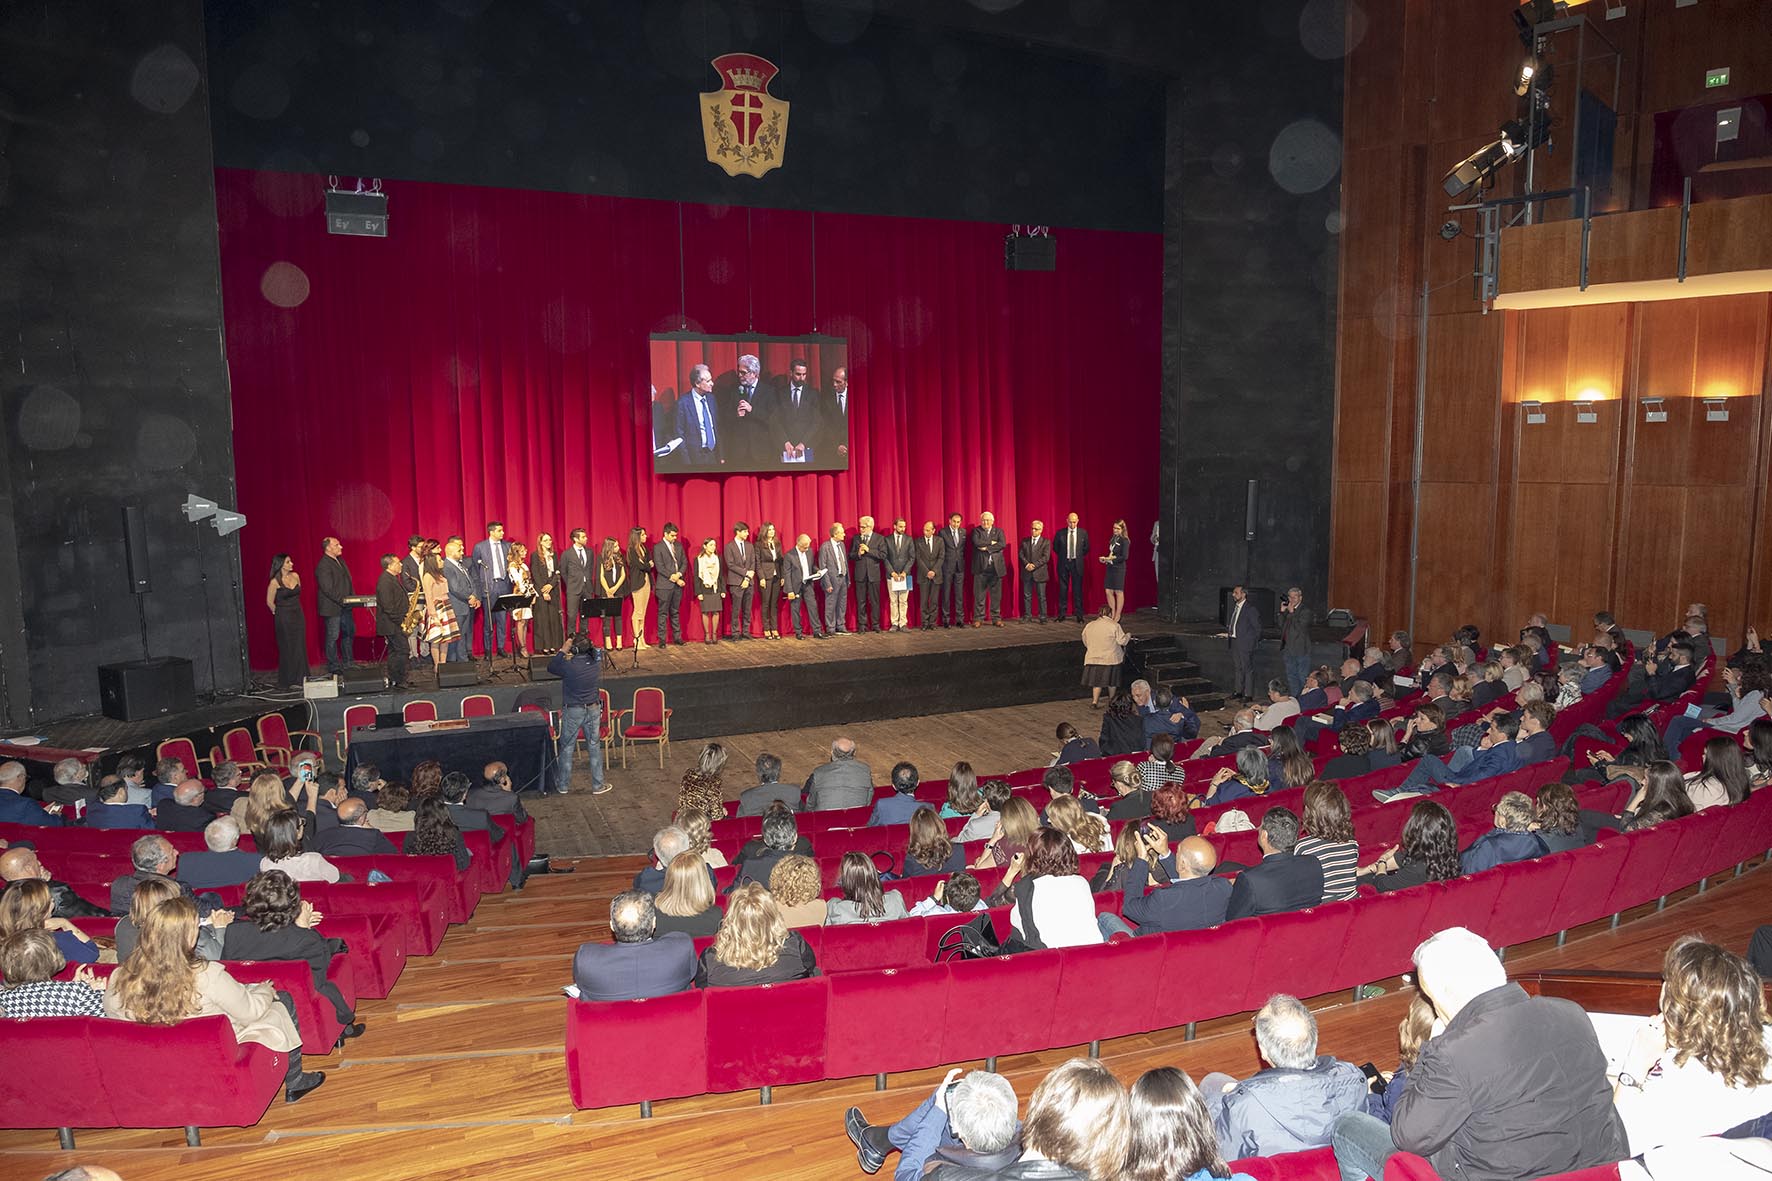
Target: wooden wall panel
{"type": "Point", "coordinates": [1715, 553]}
{"type": "Point", "coordinates": [1371, 205]}
{"type": "Point", "coordinates": [1647, 564]}
{"type": "Point", "coordinates": [1452, 572]}
{"type": "Point", "coordinates": [1356, 551]}
{"type": "Point", "coordinates": [1463, 395]}
{"type": "Point", "coordinates": [1688, 41]}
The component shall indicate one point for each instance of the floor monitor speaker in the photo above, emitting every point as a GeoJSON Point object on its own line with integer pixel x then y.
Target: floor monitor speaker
{"type": "Point", "coordinates": [138, 689]}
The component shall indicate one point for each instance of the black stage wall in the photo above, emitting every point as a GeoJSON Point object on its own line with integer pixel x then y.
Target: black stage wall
{"type": "Point", "coordinates": [113, 390]}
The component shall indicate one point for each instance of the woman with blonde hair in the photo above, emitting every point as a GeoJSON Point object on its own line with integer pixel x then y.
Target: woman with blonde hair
{"type": "Point", "coordinates": [1699, 1067]}
{"type": "Point", "coordinates": [686, 903]}
{"type": "Point", "coordinates": [1088, 834]}
{"type": "Point", "coordinates": [1413, 1032]}
{"type": "Point", "coordinates": [695, 823]}
{"type": "Point", "coordinates": [28, 905]}
{"type": "Point", "coordinates": [755, 945]}
{"type": "Point", "coordinates": [799, 890]}
{"type": "Point", "coordinates": [150, 893]}
{"type": "Point", "coordinates": [1017, 822]}
{"type": "Point", "coordinates": [265, 797]}
{"type": "Point", "coordinates": [701, 790]}
{"type": "Point", "coordinates": [1080, 1119]}
{"type": "Point", "coordinates": [163, 982]}
{"type": "Point", "coordinates": [1127, 849]}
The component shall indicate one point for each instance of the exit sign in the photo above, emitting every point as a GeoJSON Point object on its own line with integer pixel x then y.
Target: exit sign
{"type": "Point", "coordinates": [1716, 78]}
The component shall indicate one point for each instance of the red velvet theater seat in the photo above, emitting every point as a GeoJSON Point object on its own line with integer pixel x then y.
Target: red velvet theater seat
{"type": "Point", "coordinates": [1316, 1164]}
{"type": "Point", "coordinates": [766, 1035]}
{"type": "Point", "coordinates": [51, 1078]}
{"type": "Point", "coordinates": [613, 1049]}
{"type": "Point", "coordinates": [885, 1021]}
{"type": "Point", "coordinates": [999, 1006]}
{"type": "Point", "coordinates": [860, 947]}
{"type": "Point", "coordinates": [1107, 990]}
{"type": "Point", "coordinates": [193, 1074]}
{"type": "Point", "coordinates": [1208, 973]}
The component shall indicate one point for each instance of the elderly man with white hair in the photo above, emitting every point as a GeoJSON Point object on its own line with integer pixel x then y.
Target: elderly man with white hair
{"type": "Point", "coordinates": [16, 807]}
{"type": "Point", "coordinates": [667, 842]}
{"type": "Point", "coordinates": [844, 782]}
{"type": "Point", "coordinates": [970, 1122]}
{"type": "Point", "coordinates": [1292, 1105]}
{"type": "Point", "coordinates": [73, 783]}
{"type": "Point", "coordinates": [221, 862]}
{"type": "Point", "coordinates": [1510, 1085]}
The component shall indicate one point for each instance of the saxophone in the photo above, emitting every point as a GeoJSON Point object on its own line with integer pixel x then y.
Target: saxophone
{"type": "Point", "coordinates": [415, 607]}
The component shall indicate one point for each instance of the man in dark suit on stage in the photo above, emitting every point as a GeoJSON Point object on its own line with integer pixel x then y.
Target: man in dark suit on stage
{"type": "Point", "coordinates": [638, 964]}
{"type": "Point", "coordinates": [833, 450]}
{"type": "Point", "coordinates": [798, 567]}
{"type": "Point", "coordinates": [867, 560]}
{"type": "Point", "coordinates": [391, 601]}
{"type": "Point", "coordinates": [575, 574]}
{"type": "Point", "coordinates": [669, 564]}
{"type": "Point", "coordinates": [797, 412]}
{"type": "Point", "coordinates": [988, 569]}
{"type": "Point", "coordinates": [332, 578]}
{"type": "Point", "coordinates": [1243, 630]}
{"type": "Point", "coordinates": [833, 556]}
{"type": "Point", "coordinates": [411, 567]}
{"type": "Point", "coordinates": [1280, 881]}
{"type": "Point", "coordinates": [1036, 567]}
{"type": "Point", "coordinates": [741, 581]}
{"type": "Point", "coordinates": [463, 597]}
{"type": "Point", "coordinates": [953, 573]}
{"type": "Point", "coordinates": [492, 576]}
{"type": "Point", "coordinates": [699, 423]}
{"type": "Point", "coordinates": [901, 555]}
{"type": "Point", "coordinates": [931, 556]}
{"type": "Point", "coordinates": [1072, 547]}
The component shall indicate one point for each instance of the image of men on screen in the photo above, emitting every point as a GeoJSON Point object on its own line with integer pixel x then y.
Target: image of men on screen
{"type": "Point", "coordinates": [698, 421]}
{"type": "Point", "coordinates": [753, 404]}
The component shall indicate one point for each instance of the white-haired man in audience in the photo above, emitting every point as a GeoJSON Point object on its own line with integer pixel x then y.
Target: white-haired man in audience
{"type": "Point", "coordinates": [20, 863]}
{"type": "Point", "coordinates": [1510, 1085]}
{"type": "Point", "coordinates": [16, 807]}
{"type": "Point", "coordinates": [1291, 1105]}
{"type": "Point", "coordinates": [844, 782]}
{"type": "Point", "coordinates": [184, 812]}
{"type": "Point", "coordinates": [970, 1122]}
{"type": "Point", "coordinates": [667, 842]}
{"type": "Point", "coordinates": [73, 783]}
{"type": "Point", "coordinates": [221, 862]}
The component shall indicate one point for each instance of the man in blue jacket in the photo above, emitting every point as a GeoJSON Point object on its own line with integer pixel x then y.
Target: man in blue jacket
{"type": "Point", "coordinates": [1497, 754]}
{"type": "Point", "coordinates": [1291, 1106]}
{"type": "Point", "coordinates": [902, 804]}
{"type": "Point", "coordinates": [1512, 838]}
{"type": "Point", "coordinates": [114, 811]}
{"type": "Point", "coordinates": [16, 807]}
{"type": "Point", "coordinates": [579, 667]}
{"type": "Point", "coordinates": [1193, 901]}
{"type": "Point", "coordinates": [637, 964]}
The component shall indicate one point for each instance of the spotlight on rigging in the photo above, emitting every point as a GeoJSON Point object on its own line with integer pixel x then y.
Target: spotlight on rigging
{"type": "Point", "coordinates": [1480, 165]}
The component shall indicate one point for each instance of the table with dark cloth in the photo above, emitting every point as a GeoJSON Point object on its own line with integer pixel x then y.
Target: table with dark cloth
{"type": "Point", "coordinates": [522, 742]}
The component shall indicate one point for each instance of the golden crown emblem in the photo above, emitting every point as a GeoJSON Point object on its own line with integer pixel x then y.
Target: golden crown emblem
{"type": "Point", "coordinates": [746, 79]}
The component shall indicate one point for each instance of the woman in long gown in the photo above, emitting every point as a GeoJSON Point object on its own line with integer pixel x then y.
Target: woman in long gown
{"type": "Point", "coordinates": [283, 599]}
{"type": "Point", "coordinates": [544, 576]}
{"type": "Point", "coordinates": [441, 627]}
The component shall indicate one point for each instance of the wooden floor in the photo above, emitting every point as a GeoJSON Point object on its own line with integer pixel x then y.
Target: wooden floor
{"type": "Point", "coordinates": [461, 1072]}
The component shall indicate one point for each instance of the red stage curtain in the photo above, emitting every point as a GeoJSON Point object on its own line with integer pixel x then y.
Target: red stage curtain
{"type": "Point", "coordinates": [489, 359]}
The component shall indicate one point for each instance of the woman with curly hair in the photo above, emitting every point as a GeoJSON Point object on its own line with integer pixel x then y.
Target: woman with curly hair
{"type": "Point", "coordinates": [393, 809]}
{"type": "Point", "coordinates": [1172, 1134]}
{"type": "Point", "coordinates": [426, 781]}
{"type": "Point", "coordinates": [702, 790]}
{"type": "Point", "coordinates": [930, 849]}
{"type": "Point", "coordinates": [1356, 741]}
{"type": "Point", "coordinates": [755, 945]}
{"type": "Point", "coordinates": [1558, 822]}
{"type": "Point", "coordinates": [434, 834]}
{"type": "Point", "coordinates": [697, 826]}
{"type": "Point", "coordinates": [1427, 851]}
{"type": "Point", "coordinates": [1700, 1067]}
{"type": "Point", "coordinates": [276, 923]}
{"type": "Point", "coordinates": [163, 982]}
{"type": "Point", "coordinates": [798, 890]}
{"type": "Point", "coordinates": [1088, 834]}
{"type": "Point", "coordinates": [1329, 822]}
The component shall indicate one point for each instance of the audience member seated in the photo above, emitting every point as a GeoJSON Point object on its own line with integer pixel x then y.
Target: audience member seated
{"type": "Point", "coordinates": [367, 782]}
{"type": "Point", "coordinates": [757, 859]}
{"type": "Point", "coordinates": [1191, 900]}
{"type": "Point", "coordinates": [72, 784]}
{"type": "Point", "coordinates": [1661, 796]}
{"type": "Point", "coordinates": [992, 794]}
{"type": "Point", "coordinates": [1088, 834]}
{"type": "Point", "coordinates": [1512, 838]}
{"type": "Point", "coordinates": [1242, 736]}
{"type": "Point", "coordinates": [687, 903]}
{"type": "Point", "coordinates": [162, 983]}
{"type": "Point", "coordinates": [29, 906]}
{"type": "Point", "coordinates": [1122, 728]}
{"type": "Point", "coordinates": [1664, 679]}
{"type": "Point", "coordinates": [1171, 809]}
{"type": "Point", "coordinates": [1514, 1086]}
{"type": "Point", "coordinates": [1292, 1104]}
{"type": "Point", "coordinates": [1427, 851]}
{"type": "Point", "coordinates": [133, 770]}
{"type": "Point", "coordinates": [930, 850]}
{"type": "Point", "coordinates": [1287, 764]}
{"type": "Point", "coordinates": [279, 843]}
{"type": "Point", "coordinates": [1074, 747]}
{"type": "Point", "coordinates": [496, 795]}
{"type": "Point", "coordinates": [434, 834]}
{"type": "Point", "coordinates": [1746, 688]}
{"type": "Point", "coordinates": [168, 774]}
{"type": "Point", "coordinates": [1642, 747]}
{"type": "Point", "coordinates": [641, 962]}
{"type": "Point", "coordinates": [184, 811]}
{"type": "Point", "coordinates": [862, 900]}
{"type": "Point", "coordinates": [1170, 714]}
{"type": "Point", "coordinates": [265, 796]}
{"type": "Point", "coordinates": [1516, 666]}
{"type": "Point", "coordinates": [702, 790]}
{"type": "Point", "coordinates": [963, 798]}
{"type": "Point", "coordinates": [1356, 742]}
{"type": "Point", "coordinates": [1592, 670]}
{"type": "Point", "coordinates": [1759, 744]}
{"type": "Point", "coordinates": [1315, 696]}
{"type": "Point", "coordinates": [1497, 754]}
{"type": "Point", "coordinates": [754, 801]}
{"type": "Point", "coordinates": [1281, 881]}
{"type": "Point", "coordinates": [353, 835]}
{"type": "Point", "coordinates": [1062, 781]}
{"type": "Point", "coordinates": [1413, 1031]}
{"type": "Point", "coordinates": [1052, 903]}
{"type": "Point", "coordinates": [222, 862]}
{"type": "Point", "coordinates": [114, 810]}
{"type": "Point", "coordinates": [1700, 1067]}
{"type": "Point", "coordinates": [29, 963]}
{"type": "Point", "coordinates": [393, 809]}
{"type": "Point", "coordinates": [1151, 775]}
{"type": "Point", "coordinates": [1172, 1134]}
{"type": "Point", "coordinates": [1557, 818]}
{"type": "Point", "coordinates": [1425, 736]}
{"type": "Point", "coordinates": [1485, 691]}
{"type": "Point", "coordinates": [152, 857]}
{"type": "Point", "coordinates": [1282, 706]}
{"type": "Point", "coordinates": [1078, 1128]}
{"type": "Point", "coordinates": [956, 895]}
{"type": "Point", "coordinates": [969, 1121]}
{"type": "Point", "coordinates": [844, 782]}
{"type": "Point", "coordinates": [1328, 821]}
{"type": "Point", "coordinates": [427, 781]}
{"type": "Point", "coordinates": [1535, 742]}
{"type": "Point", "coordinates": [150, 893]}
{"type": "Point", "coordinates": [21, 864]}
{"type": "Point", "coordinates": [1016, 824]}
{"type": "Point", "coordinates": [1722, 779]}
{"type": "Point", "coordinates": [754, 945]}
{"type": "Point", "coordinates": [1248, 778]}
{"type": "Point", "coordinates": [798, 888]}
{"type": "Point", "coordinates": [454, 793]}
{"type": "Point", "coordinates": [1359, 704]}
{"type": "Point", "coordinates": [695, 825]}
{"type": "Point", "coordinates": [1128, 847]}
{"type": "Point", "coordinates": [898, 807]}
{"type": "Point", "coordinates": [276, 923]}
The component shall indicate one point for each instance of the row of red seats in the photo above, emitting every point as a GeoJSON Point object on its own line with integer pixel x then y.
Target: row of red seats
{"type": "Point", "coordinates": [852, 1023]}
{"type": "Point", "coordinates": [1318, 1164]}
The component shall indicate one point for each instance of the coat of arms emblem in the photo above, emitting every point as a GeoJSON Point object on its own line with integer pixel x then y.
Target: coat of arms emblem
{"type": "Point", "coordinates": [745, 127]}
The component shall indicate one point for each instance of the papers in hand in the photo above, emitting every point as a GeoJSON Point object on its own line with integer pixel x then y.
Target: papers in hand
{"type": "Point", "coordinates": [818, 573]}
{"type": "Point", "coordinates": [571, 990]}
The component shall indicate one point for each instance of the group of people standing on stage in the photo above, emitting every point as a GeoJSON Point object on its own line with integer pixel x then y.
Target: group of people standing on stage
{"type": "Point", "coordinates": [523, 600]}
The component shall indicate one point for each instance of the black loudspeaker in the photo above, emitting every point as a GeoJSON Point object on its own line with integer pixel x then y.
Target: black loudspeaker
{"type": "Point", "coordinates": [458, 675]}
{"type": "Point", "coordinates": [360, 679]}
{"type": "Point", "coordinates": [138, 689]}
{"type": "Point", "coordinates": [135, 550]}
{"type": "Point", "coordinates": [538, 669]}
{"type": "Point", "coordinates": [1249, 514]}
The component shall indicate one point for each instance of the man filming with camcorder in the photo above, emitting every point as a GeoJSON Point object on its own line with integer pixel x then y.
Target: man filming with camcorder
{"type": "Point", "coordinates": [579, 665]}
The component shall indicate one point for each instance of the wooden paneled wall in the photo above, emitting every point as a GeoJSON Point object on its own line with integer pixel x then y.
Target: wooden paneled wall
{"type": "Point", "coordinates": [1561, 517]}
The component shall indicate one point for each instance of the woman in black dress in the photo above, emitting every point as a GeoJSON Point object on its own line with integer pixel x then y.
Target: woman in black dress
{"type": "Point", "coordinates": [283, 598]}
{"type": "Point", "coordinates": [544, 576]}
{"type": "Point", "coordinates": [612, 583]}
{"type": "Point", "coordinates": [769, 579]}
{"type": "Point", "coordinates": [639, 582]}
{"type": "Point", "coordinates": [1115, 575]}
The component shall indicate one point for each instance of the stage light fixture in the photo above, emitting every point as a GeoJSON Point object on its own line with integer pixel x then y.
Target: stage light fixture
{"type": "Point", "coordinates": [1480, 165]}
{"type": "Point", "coordinates": [1534, 411]}
{"type": "Point", "coordinates": [1528, 70]}
{"type": "Point", "coordinates": [1654, 409]}
{"type": "Point", "coordinates": [1716, 410]}
{"type": "Point", "coordinates": [226, 522]}
{"type": "Point", "coordinates": [198, 509]}
{"type": "Point", "coordinates": [1450, 229]}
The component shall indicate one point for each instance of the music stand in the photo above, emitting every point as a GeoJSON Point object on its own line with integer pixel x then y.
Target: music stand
{"type": "Point", "coordinates": [606, 609]}
{"type": "Point", "coordinates": [507, 604]}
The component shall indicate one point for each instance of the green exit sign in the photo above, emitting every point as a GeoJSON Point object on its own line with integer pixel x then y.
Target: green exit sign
{"type": "Point", "coordinates": [1716, 78]}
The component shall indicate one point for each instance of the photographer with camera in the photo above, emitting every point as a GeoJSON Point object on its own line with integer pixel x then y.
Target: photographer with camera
{"type": "Point", "coordinates": [579, 667]}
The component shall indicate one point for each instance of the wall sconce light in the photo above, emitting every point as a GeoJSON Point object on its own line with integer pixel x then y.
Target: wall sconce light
{"type": "Point", "coordinates": [1716, 410]}
{"type": "Point", "coordinates": [1585, 412]}
{"type": "Point", "coordinates": [1534, 411]}
{"type": "Point", "coordinates": [1654, 410]}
